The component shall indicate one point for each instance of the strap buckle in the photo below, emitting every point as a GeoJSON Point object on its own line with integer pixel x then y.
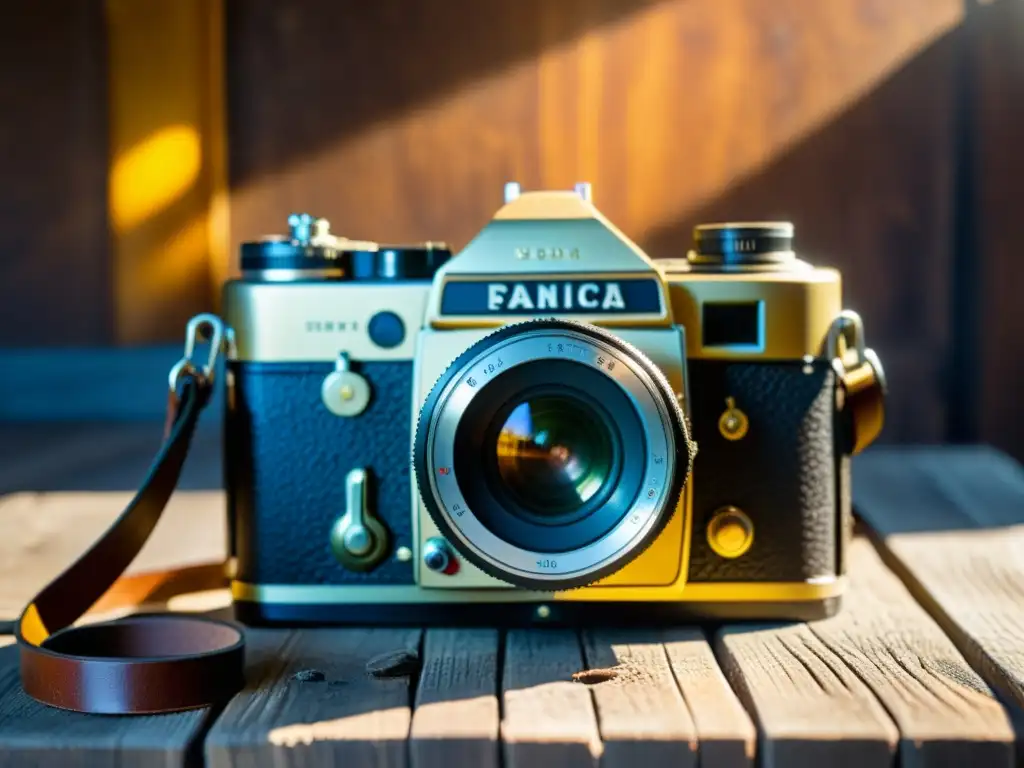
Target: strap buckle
{"type": "Point", "coordinates": [861, 392]}
{"type": "Point", "coordinates": [200, 328]}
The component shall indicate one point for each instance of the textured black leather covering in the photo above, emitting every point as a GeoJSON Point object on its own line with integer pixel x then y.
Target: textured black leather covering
{"type": "Point", "coordinates": [286, 461]}
{"type": "Point", "coordinates": [783, 473]}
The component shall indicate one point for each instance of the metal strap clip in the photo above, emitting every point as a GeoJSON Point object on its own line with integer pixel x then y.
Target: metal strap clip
{"type": "Point", "coordinates": [861, 392]}
{"type": "Point", "coordinates": [200, 328]}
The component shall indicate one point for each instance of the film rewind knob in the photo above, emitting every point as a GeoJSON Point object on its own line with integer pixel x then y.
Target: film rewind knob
{"type": "Point", "coordinates": [358, 539]}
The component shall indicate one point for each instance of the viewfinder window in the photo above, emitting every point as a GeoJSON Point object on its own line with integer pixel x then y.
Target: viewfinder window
{"type": "Point", "coordinates": [734, 325]}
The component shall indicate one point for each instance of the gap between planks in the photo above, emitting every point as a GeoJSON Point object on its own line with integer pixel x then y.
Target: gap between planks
{"type": "Point", "coordinates": [878, 680]}
{"type": "Point", "coordinates": [882, 655]}
{"type": "Point", "coordinates": [950, 523]}
{"type": "Point", "coordinates": [475, 705]}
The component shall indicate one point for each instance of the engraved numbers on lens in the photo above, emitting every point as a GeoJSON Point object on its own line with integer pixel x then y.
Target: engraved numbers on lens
{"type": "Point", "coordinates": [569, 348]}
{"type": "Point", "coordinates": [547, 563]}
{"type": "Point", "coordinates": [487, 369]}
{"type": "Point", "coordinates": [652, 482]}
{"type": "Point", "coordinates": [606, 363]}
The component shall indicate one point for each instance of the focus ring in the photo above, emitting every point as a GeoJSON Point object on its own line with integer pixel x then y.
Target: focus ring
{"type": "Point", "coordinates": [527, 343]}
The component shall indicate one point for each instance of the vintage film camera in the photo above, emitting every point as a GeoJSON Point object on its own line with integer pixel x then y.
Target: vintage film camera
{"type": "Point", "coordinates": [508, 435]}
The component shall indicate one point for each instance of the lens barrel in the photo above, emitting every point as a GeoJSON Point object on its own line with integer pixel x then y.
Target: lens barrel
{"type": "Point", "coordinates": [551, 453]}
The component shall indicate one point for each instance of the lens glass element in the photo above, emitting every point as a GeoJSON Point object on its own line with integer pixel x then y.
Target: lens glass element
{"type": "Point", "coordinates": [554, 453]}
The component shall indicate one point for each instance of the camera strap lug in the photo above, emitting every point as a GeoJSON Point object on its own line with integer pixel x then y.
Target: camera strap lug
{"type": "Point", "coordinates": [139, 664]}
{"type": "Point", "coordinates": [860, 379]}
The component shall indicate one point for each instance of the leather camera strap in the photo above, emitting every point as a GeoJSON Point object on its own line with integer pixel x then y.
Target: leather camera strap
{"type": "Point", "coordinates": [139, 664]}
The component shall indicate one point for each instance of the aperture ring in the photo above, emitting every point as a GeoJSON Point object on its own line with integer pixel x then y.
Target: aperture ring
{"type": "Point", "coordinates": [666, 446]}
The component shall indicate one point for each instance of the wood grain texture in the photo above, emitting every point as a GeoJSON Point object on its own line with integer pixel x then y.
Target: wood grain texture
{"type": "Point", "coordinates": [54, 247]}
{"type": "Point", "coordinates": [547, 720]}
{"type": "Point", "coordinates": [951, 524]}
{"type": "Point", "coordinates": [456, 720]}
{"type": "Point", "coordinates": [344, 718]}
{"type": "Point", "coordinates": [870, 189]}
{"type": "Point", "coordinates": [44, 533]}
{"type": "Point", "coordinates": [725, 734]}
{"type": "Point", "coordinates": [788, 680]}
{"type": "Point", "coordinates": [945, 712]}
{"type": "Point", "coordinates": [835, 115]}
{"type": "Point", "coordinates": [642, 716]}
{"type": "Point", "coordinates": [36, 736]}
{"type": "Point", "coordinates": [879, 684]}
{"type": "Point", "coordinates": [996, 31]}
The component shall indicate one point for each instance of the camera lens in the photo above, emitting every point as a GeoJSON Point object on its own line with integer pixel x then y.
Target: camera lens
{"type": "Point", "coordinates": [554, 454]}
{"type": "Point", "coordinates": [551, 453]}
{"type": "Point", "coordinates": [742, 244]}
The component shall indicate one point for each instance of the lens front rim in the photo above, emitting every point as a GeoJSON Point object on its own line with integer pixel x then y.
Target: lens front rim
{"type": "Point", "coordinates": [666, 444]}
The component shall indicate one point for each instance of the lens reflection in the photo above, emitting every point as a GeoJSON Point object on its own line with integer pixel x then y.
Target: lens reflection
{"type": "Point", "coordinates": [554, 453]}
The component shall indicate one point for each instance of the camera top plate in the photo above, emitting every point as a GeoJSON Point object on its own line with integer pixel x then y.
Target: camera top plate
{"type": "Point", "coordinates": [549, 253]}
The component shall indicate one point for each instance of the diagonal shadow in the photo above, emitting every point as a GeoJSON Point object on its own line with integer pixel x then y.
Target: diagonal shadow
{"type": "Point", "coordinates": [287, 61]}
{"type": "Point", "coordinates": [871, 193]}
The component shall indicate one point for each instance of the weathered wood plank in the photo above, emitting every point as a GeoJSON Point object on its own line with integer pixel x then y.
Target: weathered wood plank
{"type": "Point", "coordinates": [641, 713]}
{"type": "Point", "coordinates": [338, 716]}
{"type": "Point", "coordinates": [810, 708]}
{"type": "Point", "coordinates": [548, 720]}
{"type": "Point", "coordinates": [950, 523]}
{"type": "Point", "coordinates": [55, 528]}
{"type": "Point", "coordinates": [456, 720]}
{"type": "Point", "coordinates": [36, 736]}
{"type": "Point", "coordinates": [32, 734]}
{"type": "Point", "coordinates": [725, 735]}
{"type": "Point", "coordinates": [945, 712]}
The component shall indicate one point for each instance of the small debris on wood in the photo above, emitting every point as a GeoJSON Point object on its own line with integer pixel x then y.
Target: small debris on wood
{"type": "Point", "coordinates": [394, 664]}
{"type": "Point", "coordinates": [594, 676]}
{"type": "Point", "coordinates": [309, 676]}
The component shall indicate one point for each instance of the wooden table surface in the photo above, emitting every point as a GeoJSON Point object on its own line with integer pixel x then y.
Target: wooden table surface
{"type": "Point", "coordinates": [924, 666]}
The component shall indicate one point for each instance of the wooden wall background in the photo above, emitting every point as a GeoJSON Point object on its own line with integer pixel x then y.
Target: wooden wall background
{"type": "Point", "coordinates": [886, 131]}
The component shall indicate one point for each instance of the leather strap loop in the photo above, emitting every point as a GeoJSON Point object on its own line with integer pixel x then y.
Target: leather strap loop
{"type": "Point", "coordinates": [140, 664]}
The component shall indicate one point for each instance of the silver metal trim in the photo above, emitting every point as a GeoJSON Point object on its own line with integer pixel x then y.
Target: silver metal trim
{"type": "Point", "coordinates": [660, 448]}
{"type": "Point", "coordinates": [723, 593]}
{"type": "Point", "coordinates": [278, 275]}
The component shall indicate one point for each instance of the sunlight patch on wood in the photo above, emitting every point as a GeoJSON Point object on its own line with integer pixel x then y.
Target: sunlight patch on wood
{"type": "Point", "coordinates": [385, 725]}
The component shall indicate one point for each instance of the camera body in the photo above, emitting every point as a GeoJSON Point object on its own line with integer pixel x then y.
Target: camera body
{"type": "Point", "coordinates": [510, 435]}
